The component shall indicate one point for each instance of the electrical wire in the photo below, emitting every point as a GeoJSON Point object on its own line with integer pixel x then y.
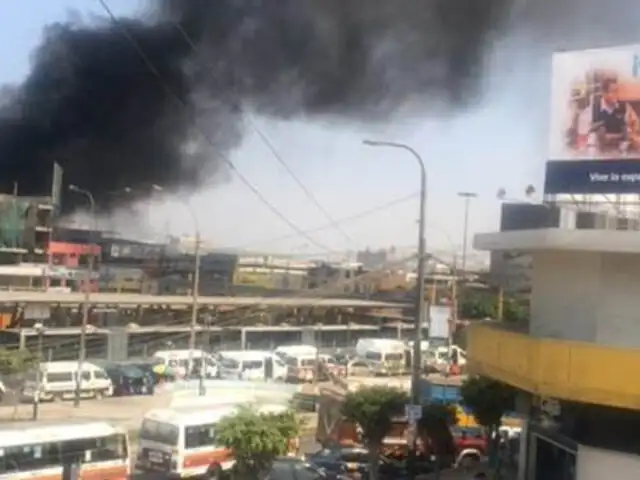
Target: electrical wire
{"type": "Point", "coordinates": [265, 139]}
{"type": "Point", "coordinates": [332, 221]}
{"type": "Point", "coordinates": [350, 218]}
{"type": "Point", "coordinates": [171, 93]}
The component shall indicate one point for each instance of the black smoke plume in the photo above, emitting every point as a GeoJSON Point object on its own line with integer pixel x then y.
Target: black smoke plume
{"type": "Point", "coordinates": [92, 104]}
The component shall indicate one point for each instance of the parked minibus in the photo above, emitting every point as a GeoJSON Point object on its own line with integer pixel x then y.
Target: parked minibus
{"type": "Point", "coordinates": [180, 442]}
{"type": "Point", "coordinates": [38, 451]}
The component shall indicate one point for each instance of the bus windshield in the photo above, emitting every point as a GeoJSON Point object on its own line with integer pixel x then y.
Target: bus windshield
{"type": "Point", "coordinates": [159, 432]}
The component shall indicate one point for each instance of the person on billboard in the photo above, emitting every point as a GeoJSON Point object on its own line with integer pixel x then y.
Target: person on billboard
{"type": "Point", "coordinates": [615, 122]}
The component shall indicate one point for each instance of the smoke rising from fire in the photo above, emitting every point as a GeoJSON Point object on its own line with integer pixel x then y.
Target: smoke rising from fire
{"type": "Point", "coordinates": [91, 104]}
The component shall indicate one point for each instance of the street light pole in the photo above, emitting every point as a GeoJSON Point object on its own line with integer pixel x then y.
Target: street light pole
{"type": "Point", "coordinates": [87, 298]}
{"type": "Point", "coordinates": [465, 230]}
{"type": "Point", "coordinates": [421, 305]}
{"type": "Point", "coordinates": [39, 327]}
{"type": "Point", "coordinates": [197, 253]}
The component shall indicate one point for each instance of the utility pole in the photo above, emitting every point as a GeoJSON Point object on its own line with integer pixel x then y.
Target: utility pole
{"type": "Point", "coordinates": [39, 327]}
{"type": "Point", "coordinates": [465, 230]}
{"type": "Point", "coordinates": [422, 306]}
{"type": "Point", "coordinates": [87, 297]}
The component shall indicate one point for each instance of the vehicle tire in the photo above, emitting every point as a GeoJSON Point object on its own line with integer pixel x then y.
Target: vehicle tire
{"type": "Point", "coordinates": [57, 397]}
{"type": "Point", "coordinates": [98, 395]}
{"type": "Point", "coordinates": [214, 472]}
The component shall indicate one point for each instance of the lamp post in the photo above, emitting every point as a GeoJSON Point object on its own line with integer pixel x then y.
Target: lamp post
{"type": "Point", "coordinates": [468, 196]}
{"type": "Point", "coordinates": [421, 304]}
{"type": "Point", "coordinates": [195, 286]}
{"type": "Point", "coordinates": [87, 298]}
{"type": "Point", "coordinates": [39, 328]}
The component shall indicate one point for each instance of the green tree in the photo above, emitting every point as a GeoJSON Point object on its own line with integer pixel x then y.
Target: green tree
{"type": "Point", "coordinates": [373, 409]}
{"type": "Point", "coordinates": [434, 427]}
{"type": "Point", "coordinates": [489, 401]}
{"type": "Point", "coordinates": [13, 362]}
{"type": "Point", "coordinates": [477, 305]}
{"type": "Point", "coordinates": [256, 439]}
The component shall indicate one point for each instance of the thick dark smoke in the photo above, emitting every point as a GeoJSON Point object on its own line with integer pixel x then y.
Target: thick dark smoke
{"type": "Point", "coordinates": [91, 104]}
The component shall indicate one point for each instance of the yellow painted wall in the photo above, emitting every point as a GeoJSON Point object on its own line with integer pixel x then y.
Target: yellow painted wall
{"type": "Point", "coordinates": [575, 371]}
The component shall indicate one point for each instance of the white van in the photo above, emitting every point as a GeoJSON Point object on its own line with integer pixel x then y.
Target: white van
{"type": "Point", "coordinates": [296, 350]}
{"type": "Point", "coordinates": [386, 356]}
{"type": "Point", "coordinates": [178, 361]}
{"type": "Point", "coordinates": [180, 442]}
{"type": "Point", "coordinates": [251, 365]}
{"type": "Point", "coordinates": [458, 356]}
{"type": "Point", "coordinates": [58, 382]}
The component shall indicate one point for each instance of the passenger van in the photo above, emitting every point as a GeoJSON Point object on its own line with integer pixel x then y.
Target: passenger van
{"type": "Point", "coordinates": [39, 450]}
{"type": "Point", "coordinates": [178, 361]}
{"type": "Point", "coordinates": [251, 365]}
{"type": "Point", "coordinates": [458, 355]}
{"type": "Point", "coordinates": [296, 350]}
{"type": "Point", "coordinates": [58, 382]}
{"type": "Point", "coordinates": [180, 442]}
{"type": "Point", "coordinates": [386, 356]}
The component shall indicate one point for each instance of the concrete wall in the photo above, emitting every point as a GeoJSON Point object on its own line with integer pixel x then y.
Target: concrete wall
{"type": "Point", "coordinates": [586, 296]}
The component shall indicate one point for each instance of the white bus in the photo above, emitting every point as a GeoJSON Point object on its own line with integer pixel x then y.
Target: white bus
{"type": "Point", "coordinates": [180, 442]}
{"type": "Point", "coordinates": [251, 365]}
{"type": "Point", "coordinates": [38, 451]}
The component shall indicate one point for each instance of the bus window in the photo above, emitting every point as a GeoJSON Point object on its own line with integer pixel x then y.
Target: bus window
{"type": "Point", "coordinates": [199, 436]}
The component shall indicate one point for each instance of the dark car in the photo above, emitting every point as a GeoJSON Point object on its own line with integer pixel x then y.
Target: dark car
{"type": "Point", "coordinates": [351, 460]}
{"type": "Point", "coordinates": [128, 380]}
{"type": "Point", "coordinates": [289, 468]}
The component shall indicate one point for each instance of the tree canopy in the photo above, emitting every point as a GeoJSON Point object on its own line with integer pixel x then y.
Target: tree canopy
{"type": "Point", "coordinates": [435, 424]}
{"type": "Point", "coordinates": [13, 362]}
{"type": "Point", "coordinates": [373, 410]}
{"type": "Point", "coordinates": [256, 439]}
{"type": "Point", "coordinates": [488, 399]}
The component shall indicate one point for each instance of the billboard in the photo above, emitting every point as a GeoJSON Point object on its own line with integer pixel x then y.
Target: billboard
{"type": "Point", "coordinates": [594, 136]}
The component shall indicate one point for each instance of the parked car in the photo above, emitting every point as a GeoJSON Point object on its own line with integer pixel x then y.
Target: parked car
{"type": "Point", "coordinates": [293, 468]}
{"type": "Point", "coordinates": [129, 380]}
{"type": "Point", "coordinates": [360, 368]}
{"type": "Point", "coordinates": [355, 460]}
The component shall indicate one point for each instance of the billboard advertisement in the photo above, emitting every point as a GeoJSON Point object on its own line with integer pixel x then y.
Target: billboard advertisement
{"type": "Point", "coordinates": [594, 136]}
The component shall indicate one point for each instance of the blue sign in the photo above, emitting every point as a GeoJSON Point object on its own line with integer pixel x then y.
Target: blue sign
{"type": "Point", "coordinates": [593, 177]}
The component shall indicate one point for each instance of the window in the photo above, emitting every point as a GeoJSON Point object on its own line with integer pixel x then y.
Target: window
{"type": "Point", "coordinates": [27, 458]}
{"type": "Point", "coordinates": [374, 356]}
{"type": "Point", "coordinates": [86, 376]}
{"type": "Point", "coordinates": [394, 357]}
{"type": "Point", "coordinates": [230, 363]}
{"type": "Point", "coordinates": [252, 364]}
{"type": "Point", "coordinates": [199, 436]}
{"type": "Point", "coordinates": [307, 362]}
{"type": "Point", "coordinates": [159, 432]}
{"type": "Point", "coordinates": [59, 377]}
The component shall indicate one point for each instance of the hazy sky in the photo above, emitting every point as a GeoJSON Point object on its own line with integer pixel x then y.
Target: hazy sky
{"type": "Point", "coordinates": [501, 143]}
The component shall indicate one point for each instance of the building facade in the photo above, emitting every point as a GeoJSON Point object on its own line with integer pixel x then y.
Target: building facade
{"type": "Point", "coordinates": [271, 273]}
{"type": "Point", "coordinates": [67, 265]}
{"type": "Point", "coordinates": [572, 363]}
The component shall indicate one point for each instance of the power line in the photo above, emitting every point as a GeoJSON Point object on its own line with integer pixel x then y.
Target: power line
{"type": "Point", "coordinates": [339, 221]}
{"type": "Point", "coordinates": [332, 222]}
{"type": "Point", "coordinates": [152, 68]}
{"type": "Point", "coordinates": [265, 139]}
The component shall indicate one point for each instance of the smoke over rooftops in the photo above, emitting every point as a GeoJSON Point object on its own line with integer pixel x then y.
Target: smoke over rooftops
{"type": "Point", "coordinates": [91, 103]}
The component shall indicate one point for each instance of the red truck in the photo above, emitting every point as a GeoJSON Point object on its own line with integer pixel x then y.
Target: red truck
{"type": "Point", "coordinates": [470, 443]}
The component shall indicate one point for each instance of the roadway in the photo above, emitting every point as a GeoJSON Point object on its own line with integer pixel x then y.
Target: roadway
{"type": "Point", "coordinates": [134, 300]}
